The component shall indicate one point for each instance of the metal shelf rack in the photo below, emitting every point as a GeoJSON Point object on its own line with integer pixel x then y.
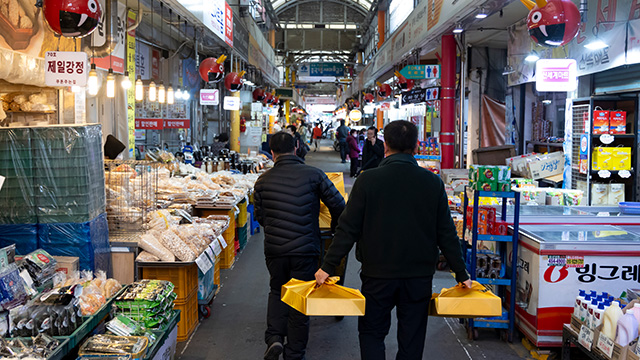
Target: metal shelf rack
{"type": "Point", "coordinates": [507, 320]}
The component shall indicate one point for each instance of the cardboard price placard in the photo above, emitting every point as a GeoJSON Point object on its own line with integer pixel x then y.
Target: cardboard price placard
{"type": "Point", "coordinates": [586, 337]}
{"type": "Point", "coordinates": [606, 345]}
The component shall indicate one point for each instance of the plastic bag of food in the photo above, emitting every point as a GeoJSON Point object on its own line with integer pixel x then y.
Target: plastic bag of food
{"type": "Point", "coordinates": [178, 247]}
{"type": "Point", "coordinates": [151, 244]}
{"type": "Point", "coordinates": [185, 234]}
{"type": "Point", "coordinates": [110, 288]}
{"type": "Point", "coordinates": [146, 256]}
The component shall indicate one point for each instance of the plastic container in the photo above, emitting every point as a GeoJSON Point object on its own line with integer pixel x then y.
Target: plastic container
{"type": "Point", "coordinates": [188, 316]}
{"type": "Point", "coordinates": [627, 329]}
{"type": "Point", "coordinates": [183, 277]}
{"type": "Point", "coordinates": [636, 312]}
{"type": "Point", "coordinates": [598, 315]}
{"type": "Point", "coordinates": [632, 208]}
{"type": "Point", "coordinates": [590, 320]}
{"type": "Point", "coordinates": [584, 308]}
{"type": "Point", "coordinates": [610, 320]}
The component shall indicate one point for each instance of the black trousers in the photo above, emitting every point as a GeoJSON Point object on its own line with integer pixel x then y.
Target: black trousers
{"type": "Point", "coordinates": [411, 298]}
{"type": "Point", "coordinates": [354, 167]}
{"type": "Point", "coordinates": [343, 150]}
{"type": "Point", "coordinates": [283, 321]}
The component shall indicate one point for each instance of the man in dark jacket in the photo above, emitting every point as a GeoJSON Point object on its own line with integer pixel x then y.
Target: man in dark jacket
{"type": "Point", "coordinates": [373, 150]}
{"type": "Point", "coordinates": [341, 134]}
{"type": "Point", "coordinates": [287, 204]}
{"type": "Point", "coordinates": [398, 215]}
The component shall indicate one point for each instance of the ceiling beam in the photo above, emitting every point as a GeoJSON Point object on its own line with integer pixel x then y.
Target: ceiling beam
{"type": "Point", "coordinates": [350, 4]}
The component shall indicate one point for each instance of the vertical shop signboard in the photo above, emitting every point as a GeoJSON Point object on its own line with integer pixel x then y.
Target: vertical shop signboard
{"type": "Point", "coordinates": [116, 60]}
{"type": "Point", "coordinates": [143, 61]}
{"type": "Point", "coordinates": [155, 64]}
{"type": "Point", "coordinates": [584, 153]}
{"type": "Point", "coordinates": [131, 98]}
{"type": "Point", "coordinates": [228, 24]}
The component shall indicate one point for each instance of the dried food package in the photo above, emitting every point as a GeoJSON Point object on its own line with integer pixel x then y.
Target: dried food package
{"type": "Point", "coordinates": [178, 247]}
{"type": "Point", "coordinates": [112, 344]}
{"type": "Point", "coordinates": [151, 244]}
{"type": "Point", "coordinates": [12, 291]}
{"type": "Point", "coordinates": [146, 256]}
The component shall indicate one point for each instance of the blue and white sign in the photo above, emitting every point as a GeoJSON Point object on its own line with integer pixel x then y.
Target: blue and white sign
{"type": "Point", "coordinates": [321, 69]}
{"type": "Point", "coordinates": [213, 16]}
{"type": "Point", "coordinates": [432, 93]}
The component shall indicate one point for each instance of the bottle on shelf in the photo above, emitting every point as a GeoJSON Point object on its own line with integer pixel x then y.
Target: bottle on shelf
{"type": "Point", "coordinates": [598, 315]}
{"type": "Point", "coordinates": [627, 329]}
{"type": "Point", "coordinates": [578, 305]}
{"type": "Point", "coordinates": [590, 321]}
{"type": "Point", "coordinates": [584, 309]}
{"type": "Point", "coordinates": [610, 321]}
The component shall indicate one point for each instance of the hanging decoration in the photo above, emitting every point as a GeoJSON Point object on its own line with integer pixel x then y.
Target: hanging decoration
{"type": "Point", "coordinates": [233, 81]}
{"type": "Point", "coordinates": [403, 83]}
{"type": "Point", "coordinates": [212, 69]}
{"type": "Point", "coordinates": [368, 97]}
{"type": "Point", "coordinates": [258, 94]}
{"type": "Point", "coordinates": [552, 23]}
{"type": "Point", "coordinates": [72, 18]}
{"type": "Point", "coordinates": [384, 90]}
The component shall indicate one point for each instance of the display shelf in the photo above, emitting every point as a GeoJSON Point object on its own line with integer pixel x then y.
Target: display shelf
{"type": "Point", "coordinates": [619, 136]}
{"type": "Point", "coordinates": [499, 282]}
{"type": "Point", "coordinates": [31, 112]}
{"type": "Point", "coordinates": [501, 238]}
{"type": "Point", "coordinates": [428, 157]}
{"type": "Point", "coordinates": [507, 320]}
{"type": "Point", "coordinates": [613, 172]}
{"type": "Point", "coordinates": [570, 339]}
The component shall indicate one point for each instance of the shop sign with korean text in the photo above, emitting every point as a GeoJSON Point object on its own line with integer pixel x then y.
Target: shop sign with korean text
{"type": "Point", "coordinates": [177, 123]}
{"type": "Point", "coordinates": [209, 97]}
{"type": "Point", "coordinates": [231, 103]}
{"type": "Point", "coordinates": [556, 75]}
{"type": "Point", "coordinates": [65, 68]}
{"type": "Point", "coordinates": [150, 124]}
{"type": "Point", "coordinates": [99, 38]}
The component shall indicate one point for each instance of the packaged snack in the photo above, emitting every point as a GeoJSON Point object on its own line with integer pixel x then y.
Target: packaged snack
{"type": "Point", "coordinates": [483, 227]}
{"type": "Point", "coordinates": [555, 198]}
{"type": "Point", "coordinates": [151, 244]}
{"type": "Point", "coordinates": [573, 197]}
{"type": "Point", "coordinates": [601, 121]}
{"type": "Point", "coordinates": [500, 228]}
{"type": "Point", "coordinates": [618, 122]}
{"type": "Point", "coordinates": [111, 344]}
{"type": "Point", "coordinates": [599, 194]}
{"type": "Point", "coordinates": [616, 194]}
{"type": "Point", "coordinates": [504, 186]}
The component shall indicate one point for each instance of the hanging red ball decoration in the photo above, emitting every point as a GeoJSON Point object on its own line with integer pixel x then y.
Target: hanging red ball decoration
{"type": "Point", "coordinates": [72, 18]}
{"type": "Point", "coordinates": [233, 81]}
{"type": "Point", "coordinates": [552, 23]}
{"type": "Point", "coordinates": [212, 69]}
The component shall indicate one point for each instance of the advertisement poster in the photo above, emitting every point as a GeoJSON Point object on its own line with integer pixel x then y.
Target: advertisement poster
{"type": "Point", "coordinates": [131, 95]}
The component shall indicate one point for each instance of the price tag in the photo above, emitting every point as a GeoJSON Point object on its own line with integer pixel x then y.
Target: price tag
{"type": "Point", "coordinates": [603, 213]}
{"type": "Point", "coordinates": [216, 247]}
{"type": "Point", "coordinates": [209, 252]}
{"type": "Point", "coordinates": [586, 337]}
{"type": "Point", "coordinates": [222, 242]}
{"type": "Point", "coordinates": [606, 139]}
{"type": "Point", "coordinates": [625, 174]}
{"type": "Point", "coordinates": [605, 174]}
{"type": "Point", "coordinates": [203, 262]}
{"type": "Point", "coordinates": [605, 344]}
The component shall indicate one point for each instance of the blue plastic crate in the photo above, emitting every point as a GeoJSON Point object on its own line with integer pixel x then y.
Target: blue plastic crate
{"type": "Point", "coordinates": [24, 236]}
{"type": "Point", "coordinates": [89, 241]}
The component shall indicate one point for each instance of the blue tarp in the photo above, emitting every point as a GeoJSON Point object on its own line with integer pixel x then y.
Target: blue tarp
{"type": "Point", "coordinates": [25, 236]}
{"type": "Point", "coordinates": [89, 241]}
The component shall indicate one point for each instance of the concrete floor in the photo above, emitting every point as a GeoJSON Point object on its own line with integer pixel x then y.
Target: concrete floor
{"type": "Point", "coordinates": [235, 330]}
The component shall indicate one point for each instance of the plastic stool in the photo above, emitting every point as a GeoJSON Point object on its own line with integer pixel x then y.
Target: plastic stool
{"type": "Point", "coordinates": [254, 226]}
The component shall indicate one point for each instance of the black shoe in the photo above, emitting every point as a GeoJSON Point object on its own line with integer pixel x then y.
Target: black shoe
{"type": "Point", "coordinates": [273, 351]}
{"type": "Point", "coordinates": [344, 161]}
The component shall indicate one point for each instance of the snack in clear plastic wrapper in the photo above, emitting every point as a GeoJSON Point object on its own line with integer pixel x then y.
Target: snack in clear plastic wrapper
{"type": "Point", "coordinates": [12, 288]}
{"type": "Point", "coordinates": [146, 256]}
{"type": "Point", "coordinates": [112, 344]}
{"type": "Point", "coordinates": [573, 197]}
{"type": "Point", "coordinates": [178, 247]}
{"type": "Point", "coordinates": [150, 243]}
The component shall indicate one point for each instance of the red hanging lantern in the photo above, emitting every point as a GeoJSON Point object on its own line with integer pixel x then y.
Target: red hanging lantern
{"type": "Point", "coordinates": [552, 23]}
{"type": "Point", "coordinates": [368, 98]}
{"type": "Point", "coordinates": [404, 84]}
{"type": "Point", "coordinates": [212, 69]}
{"type": "Point", "coordinates": [72, 18]}
{"type": "Point", "coordinates": [233, 81]}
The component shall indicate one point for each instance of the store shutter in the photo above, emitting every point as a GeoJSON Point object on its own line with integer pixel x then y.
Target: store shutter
{"type": "Point", "coordinates": [617, 80]}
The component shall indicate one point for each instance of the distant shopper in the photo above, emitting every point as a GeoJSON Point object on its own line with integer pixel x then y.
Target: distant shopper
{"type": "Point", "coordinates": [397, 244]}
{"type": "Point", "coordinates": [341, 134]}
{"type": "Point", "coordinates": [304, 132]}
{"type": "Point", "coordinates": [301, 147]}
{"type": "Point", "coordinates": [276, 127]}
{"type": "Point", "coordinates": [287, 204]}
{"type": "Point", "coordinates": [317, 135]}
{"type": "Point", "coordinates": [354, 151]}
{"type": "Point", "coordinates": [373, 150]}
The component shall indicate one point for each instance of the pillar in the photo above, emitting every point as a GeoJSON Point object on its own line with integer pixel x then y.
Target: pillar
{"type": "Point", "coordinates": [379, 119]}
{"type": "Point", "coordinates": [448, 102]}
{"type": "Point", "coordinates": [381, 28]}
{"type": "Point", "coordinates": [287, 112]}
{"type": "Point", "coordinates": [234, 142]}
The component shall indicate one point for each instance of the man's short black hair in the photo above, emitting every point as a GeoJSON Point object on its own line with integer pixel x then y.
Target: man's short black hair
{"type": "Point", "coordinates": [292, 128]}
{"type": "Point", "coordinates": [282, 143]}
{"type": "Point", "coordinates": [341, 122]}
{"type": "Point", "coordinates": [401, 136]}
{"type": "Point", "coordinates": [375, 129]}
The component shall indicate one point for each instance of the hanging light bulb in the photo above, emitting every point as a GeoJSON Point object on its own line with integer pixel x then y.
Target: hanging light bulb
{"type": "Point", "coordinates": [161, 93]}
{"type": "Point", "coordinates": [111, 84]}
{"type": "Point", "coordinates": [126, 82]}
{"type": "Point", "coordinates": [152, 91]}
{"type": "Point", "coordinates": [76, 89]}
{"type": "Point", "coordinates": [170, 95]}
{"type": "Point", "coordinates": [139, 89]}
{"type": "Point", "coordinates": [185, 94]}
{"type": "Point", "coordinates": [92, 82]}
{"type": "Point", "coordinates": [178, 93]}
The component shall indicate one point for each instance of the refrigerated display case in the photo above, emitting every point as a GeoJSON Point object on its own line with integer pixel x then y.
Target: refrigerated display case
{"type": "Point", "coordinates": [567, 215]}
{"type": "Point", "coordinates": [555, 261]}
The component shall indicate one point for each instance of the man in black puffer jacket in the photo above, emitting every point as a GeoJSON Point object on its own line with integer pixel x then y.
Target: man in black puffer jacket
{"type": "Point", "coordinates": [287, 204]}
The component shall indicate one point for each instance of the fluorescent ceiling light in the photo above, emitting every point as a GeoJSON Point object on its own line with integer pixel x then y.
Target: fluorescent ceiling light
{"type": "Point", "coordinates": [596, 44]}
{"type": "Point", "coordinates": [458, 29]}
{"type": "Point", "coordinates": [482, 14]}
